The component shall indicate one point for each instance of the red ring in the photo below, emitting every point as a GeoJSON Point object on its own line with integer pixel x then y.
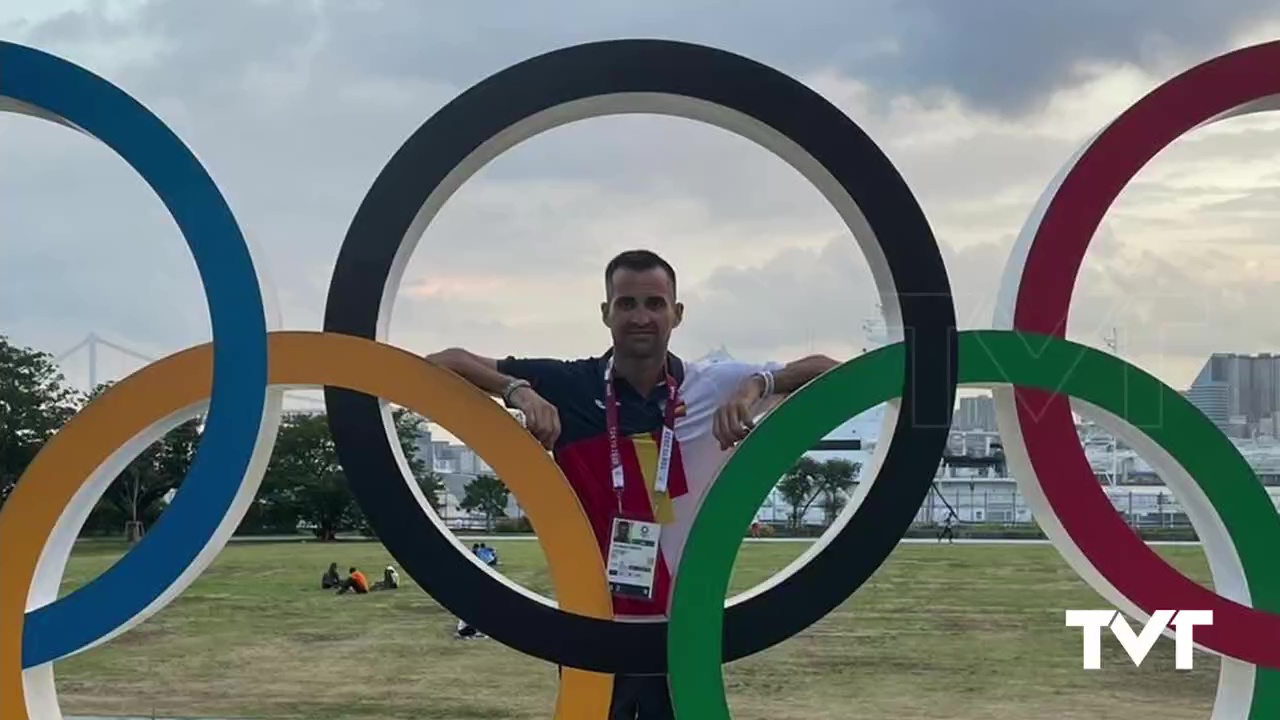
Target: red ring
{"type": "Point", "coordinates": [1043, 302]}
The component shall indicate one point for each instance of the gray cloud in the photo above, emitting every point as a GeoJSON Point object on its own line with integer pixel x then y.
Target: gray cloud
{"type": "Point", "coordinates": [998, 53]}
{"type": "Point", "coordinates": [1171, 309]}
{"type": "Point", "coordinates": [1008, 53]}
{"type": "Point", "coordinates": [294, 107]}
{"type": "Point", "coordinates": [1001, 53]}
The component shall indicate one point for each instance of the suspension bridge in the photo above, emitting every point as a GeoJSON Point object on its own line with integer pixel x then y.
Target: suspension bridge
{"type": "Point", "coordinates": [93, 344]}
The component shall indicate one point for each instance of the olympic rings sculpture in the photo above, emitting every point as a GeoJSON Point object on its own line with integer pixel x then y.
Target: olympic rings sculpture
{"type": "Point", "coordinates": [1027, 362]}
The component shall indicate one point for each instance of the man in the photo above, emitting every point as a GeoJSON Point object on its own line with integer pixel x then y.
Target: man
{"type": "Point", "coordinates": [356, 582]}
{"type": "Point", "coordinates": [622, 531]}
{"type": "Point", "coordinates": [947, 528]}
{"type": "Point", "coordinates": [607, 420]}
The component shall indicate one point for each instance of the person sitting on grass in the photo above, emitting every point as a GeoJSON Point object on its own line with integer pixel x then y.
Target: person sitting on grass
{"type": "Point", "coordinates": [390, 580]}
{"type": "Point", "coordinates": [356, 582]}
{"type": "Point", "coordinates": [488, 555]}
{"type": "Point", "coordinates": [330, 579]}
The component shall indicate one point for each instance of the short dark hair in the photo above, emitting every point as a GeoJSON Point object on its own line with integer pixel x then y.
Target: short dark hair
{"type": "Point", "coordinates": [638, 260]}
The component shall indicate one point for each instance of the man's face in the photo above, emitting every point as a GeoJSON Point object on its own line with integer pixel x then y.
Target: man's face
{"type": "Point", "coordinates": [641, 312]}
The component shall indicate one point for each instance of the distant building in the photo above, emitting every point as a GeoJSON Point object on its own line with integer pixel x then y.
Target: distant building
{"type": "Point", "coordinates": [975, 413]}
{"type": "Point", "coordinates": [973, 443]}
{"type": "Point", "coordinates": [1213, 398]}
{"type": "Point", "coordinates": [1237, 391]}
{"type": "Point", "coordinates": [425, 446]}
{"type": "Point", "coordinates": [445, 458]}
{"type": "Point", "coordinates": [1267, 428]}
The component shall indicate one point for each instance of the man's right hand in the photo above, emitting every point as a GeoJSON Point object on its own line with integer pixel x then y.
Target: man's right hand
{"type": "Point", "coordinates": [541, 418]}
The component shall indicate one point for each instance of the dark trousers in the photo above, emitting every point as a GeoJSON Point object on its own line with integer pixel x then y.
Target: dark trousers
{"type": "Point", "coordinates": [641, 697]}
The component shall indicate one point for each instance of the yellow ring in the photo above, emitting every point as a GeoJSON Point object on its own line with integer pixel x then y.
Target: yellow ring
{"type": "Point", "coordinates": [184, 379]}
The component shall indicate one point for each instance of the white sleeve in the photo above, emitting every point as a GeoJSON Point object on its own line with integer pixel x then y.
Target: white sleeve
{"type": "Point", "coordinates": [726, 377]}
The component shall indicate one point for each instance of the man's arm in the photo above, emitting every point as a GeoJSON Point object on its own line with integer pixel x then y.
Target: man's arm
{"type": "Point", "coordinates": [476, 369]}
{"type": "Point", "coordinates": [541, 418]}
{"type": "Point", "coordinates": [735, 418]}
{"type": "Point", "coordinates": [794, 375]}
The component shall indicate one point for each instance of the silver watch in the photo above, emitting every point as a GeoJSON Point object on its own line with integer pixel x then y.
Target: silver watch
{"type": "Point", "coordinates": [511, 388]}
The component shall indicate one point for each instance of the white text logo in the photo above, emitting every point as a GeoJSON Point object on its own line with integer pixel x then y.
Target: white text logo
{"type": "Point", "coordinates": [1092, 622]}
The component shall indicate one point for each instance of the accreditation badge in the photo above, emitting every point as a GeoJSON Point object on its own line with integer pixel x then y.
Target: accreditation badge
{"type": "Point", "coordinates": [633, 558]}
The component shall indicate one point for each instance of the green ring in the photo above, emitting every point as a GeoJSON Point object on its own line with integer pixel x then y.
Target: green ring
{"type": "Point", "coordinates": [986, 357]}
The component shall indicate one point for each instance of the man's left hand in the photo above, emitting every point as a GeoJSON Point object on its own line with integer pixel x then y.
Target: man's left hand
{"type": "Point", "coordinates": [734, 419]}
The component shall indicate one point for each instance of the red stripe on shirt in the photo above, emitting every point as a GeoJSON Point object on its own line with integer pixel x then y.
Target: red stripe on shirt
{"type": "Point", "coordinates": [586, 466]}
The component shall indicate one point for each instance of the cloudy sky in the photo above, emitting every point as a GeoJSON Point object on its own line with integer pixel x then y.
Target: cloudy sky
{"type": "Point", "coordinates": [295, 106]}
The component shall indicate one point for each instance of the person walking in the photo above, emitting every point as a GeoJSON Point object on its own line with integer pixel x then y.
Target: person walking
{"type": "Point", "coordinates": [947, 531]}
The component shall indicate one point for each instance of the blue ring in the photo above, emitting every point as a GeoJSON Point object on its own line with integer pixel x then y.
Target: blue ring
{"type": "Point", "coordinates": [238, 318]}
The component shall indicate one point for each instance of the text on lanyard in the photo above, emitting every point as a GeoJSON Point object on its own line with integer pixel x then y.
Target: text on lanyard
{"type": "Point", "coordinates": [668, 433]}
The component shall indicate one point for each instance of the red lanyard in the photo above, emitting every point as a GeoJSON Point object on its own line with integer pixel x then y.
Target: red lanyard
{"type": "Point", "coordinates": [668, 434]}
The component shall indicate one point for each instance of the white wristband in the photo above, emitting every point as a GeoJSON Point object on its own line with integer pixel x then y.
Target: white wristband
{"type": "Point", "coordinates": [768, 382]}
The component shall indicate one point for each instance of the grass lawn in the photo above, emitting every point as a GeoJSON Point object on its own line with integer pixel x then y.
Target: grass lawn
{"type": "Point", "coordinates": [940, 632]}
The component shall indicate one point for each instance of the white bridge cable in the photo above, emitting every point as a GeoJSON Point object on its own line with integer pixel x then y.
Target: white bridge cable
{"type": "Point", "coordinates": [92, 342]}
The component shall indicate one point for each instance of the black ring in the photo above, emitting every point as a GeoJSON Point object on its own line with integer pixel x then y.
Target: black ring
{"type": "Point", "coordinates": [713, 76]}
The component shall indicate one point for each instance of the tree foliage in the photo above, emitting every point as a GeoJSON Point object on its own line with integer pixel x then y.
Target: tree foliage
{"type": "Point", "coordinates": [796, 487]}
{"type": "Point", "coordinates": [136, 496]}
{"type": "Point", "coordinates": [408, 428]}
{"type": "Point", "coordinates": [488, 496]}
{"type": "Point", "coordinates": [836, 478]}
{"type": "Point", "coordinates": [35, 401]}
{"type": "Point", "coordinates": [304, 482]}
{"type": "Point", "coordinates": [808, 480]}
{"type": "Point", "coordinates": [304, 485]}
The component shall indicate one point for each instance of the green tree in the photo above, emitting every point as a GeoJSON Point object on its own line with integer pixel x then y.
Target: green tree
{"type": "Point", "coordinates": [808, 480]}
{"type": "Point", "coordinates": [304, 482]}
{"type": "Point", "coordinates": [487, 495]}
{"type": "Point", "coordinates": [797, 488]}
{"type": "Point", "coordinates": [134, 497]}
{"type": "Point", "coordinates": [409, 428]}
{"type": "Point", "coordinates": [35, 402]}
{"type": "Point", "coordinates": [835, 477]}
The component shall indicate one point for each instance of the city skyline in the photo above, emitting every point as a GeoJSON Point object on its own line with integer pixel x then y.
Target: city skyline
{"type": "Point", "coordinates": [1242, 403]}
{"type": "Point", "coordinates": [1240, 393]}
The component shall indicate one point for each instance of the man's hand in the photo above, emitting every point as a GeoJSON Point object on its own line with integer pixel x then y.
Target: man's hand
{"type": "Point", "coordinates": [541, 418]}
{"type": "Point", "coordinates": [734, 420]}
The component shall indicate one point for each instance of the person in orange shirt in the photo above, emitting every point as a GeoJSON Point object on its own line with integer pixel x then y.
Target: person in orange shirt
{"type": "Point", "coordinates": [356, 582]}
